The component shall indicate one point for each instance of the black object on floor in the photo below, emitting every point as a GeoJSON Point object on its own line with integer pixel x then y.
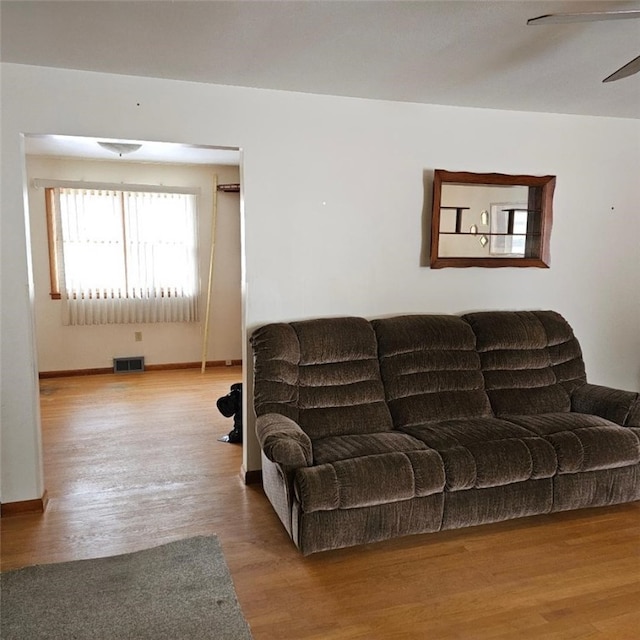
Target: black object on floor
{"type": "Point", "coordinates": [231, 405]}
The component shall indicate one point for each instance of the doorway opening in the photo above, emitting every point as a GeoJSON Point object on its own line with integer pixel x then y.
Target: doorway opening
{"type": "Point", "coordinates": [214, 174]}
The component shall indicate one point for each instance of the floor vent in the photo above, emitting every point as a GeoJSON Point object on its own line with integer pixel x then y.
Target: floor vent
{"type": "Point", "coordinates": [128, 365]}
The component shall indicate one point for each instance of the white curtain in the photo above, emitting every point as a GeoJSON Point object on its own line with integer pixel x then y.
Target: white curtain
{"type": "Point", "coordinates": [127, 257]}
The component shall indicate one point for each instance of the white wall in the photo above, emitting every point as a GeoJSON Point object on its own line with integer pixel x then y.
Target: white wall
{"type": "Point", "coordinates": [63, 348]}
{"type": "Point", "coordinates": [334, 210]}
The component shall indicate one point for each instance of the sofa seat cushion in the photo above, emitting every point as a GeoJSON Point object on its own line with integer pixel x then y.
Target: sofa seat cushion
{"type": "Point", "coordinates": [487, 452]}
{"type": "Point", "coordinates": [584, 442]}
{"type": "Point", "coordinates": [369, 480]}
{"type": "Point", "coordinates": [336, 448]}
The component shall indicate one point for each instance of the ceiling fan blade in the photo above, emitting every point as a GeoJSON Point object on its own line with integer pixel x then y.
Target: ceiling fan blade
{"type": "Point", "coordinates": [623, 72]}
{"type": "Point", "coordinates": [591, 16]}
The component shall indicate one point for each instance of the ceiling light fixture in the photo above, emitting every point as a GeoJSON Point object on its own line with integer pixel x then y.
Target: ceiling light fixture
{"type": "Point", "coordinates": [121, 148]}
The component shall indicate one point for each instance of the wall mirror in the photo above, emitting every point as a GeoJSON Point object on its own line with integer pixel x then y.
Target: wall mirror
{"type": "Point", "coordinates": [491, 220]}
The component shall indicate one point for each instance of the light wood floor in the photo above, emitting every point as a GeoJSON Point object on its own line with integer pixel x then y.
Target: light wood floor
{"type": "Point", "coordinates": [132, 461]}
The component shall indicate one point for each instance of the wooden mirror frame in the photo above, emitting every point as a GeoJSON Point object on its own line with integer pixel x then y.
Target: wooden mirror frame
{"type": "Point", "coordinates": [540, 200]}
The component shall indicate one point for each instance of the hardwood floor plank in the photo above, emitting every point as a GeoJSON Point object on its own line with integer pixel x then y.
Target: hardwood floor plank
{"type": "Point", "coordinates": [132, 461]}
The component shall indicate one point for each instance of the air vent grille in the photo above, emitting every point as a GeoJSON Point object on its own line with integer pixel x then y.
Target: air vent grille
{"type": "Point", "coordinates": [128, 365]}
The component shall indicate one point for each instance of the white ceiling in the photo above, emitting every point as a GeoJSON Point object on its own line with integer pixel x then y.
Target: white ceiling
{"type": "Point", "coordinates": [82, 147]}
{"type": "Point", "coordinates": [475, 53]}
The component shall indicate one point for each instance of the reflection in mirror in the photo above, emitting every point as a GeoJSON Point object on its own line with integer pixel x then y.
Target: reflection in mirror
{"type": "Point", "coordinates": [508, 229]}
{"type": "Point", "coordinates": [490, 220]}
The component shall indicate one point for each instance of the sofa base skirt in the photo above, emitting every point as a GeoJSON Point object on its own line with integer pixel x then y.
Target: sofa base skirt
{"type": "Point", "coordinates": [596, 488]}
{"type": "Point", "coordinates": [483, 506]}
{"type": "Point", "coordinates": [324, 530]}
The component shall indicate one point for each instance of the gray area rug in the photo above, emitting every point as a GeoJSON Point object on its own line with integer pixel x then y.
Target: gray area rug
{"type": "Point", "coordinates": [181, 590]}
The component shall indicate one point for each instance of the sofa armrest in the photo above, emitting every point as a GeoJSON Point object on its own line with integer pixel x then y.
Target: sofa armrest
{"type": "Point", "coordinates": [283, 441]}
{"type": "Point", "coordinates": [621, 407]}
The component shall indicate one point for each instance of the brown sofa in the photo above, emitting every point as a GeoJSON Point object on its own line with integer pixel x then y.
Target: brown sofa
{"type": "Point", "coordinates": [420, 423]}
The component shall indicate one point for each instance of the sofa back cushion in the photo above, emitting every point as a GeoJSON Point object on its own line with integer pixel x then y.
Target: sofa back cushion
{"type": "Point", "coordinates": [531, 361]}
{"type": "Point", "coordinates": [431, 370]}
{"type": "Point", "coordinates": [322, 373]}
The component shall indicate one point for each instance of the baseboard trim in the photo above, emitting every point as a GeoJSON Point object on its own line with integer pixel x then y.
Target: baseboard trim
{"type": "Point", "coordinates": [252, 477]}
{"type": "Point", "coordinates": [148, 367]}
{"type": "Point", "coordinates": [73, 372]}
{"type": "Point", "coordinates": [23, 507]}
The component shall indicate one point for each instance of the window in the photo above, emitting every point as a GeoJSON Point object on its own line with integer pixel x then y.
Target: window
{"type": "Point", "coordinates": [123, 256]}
